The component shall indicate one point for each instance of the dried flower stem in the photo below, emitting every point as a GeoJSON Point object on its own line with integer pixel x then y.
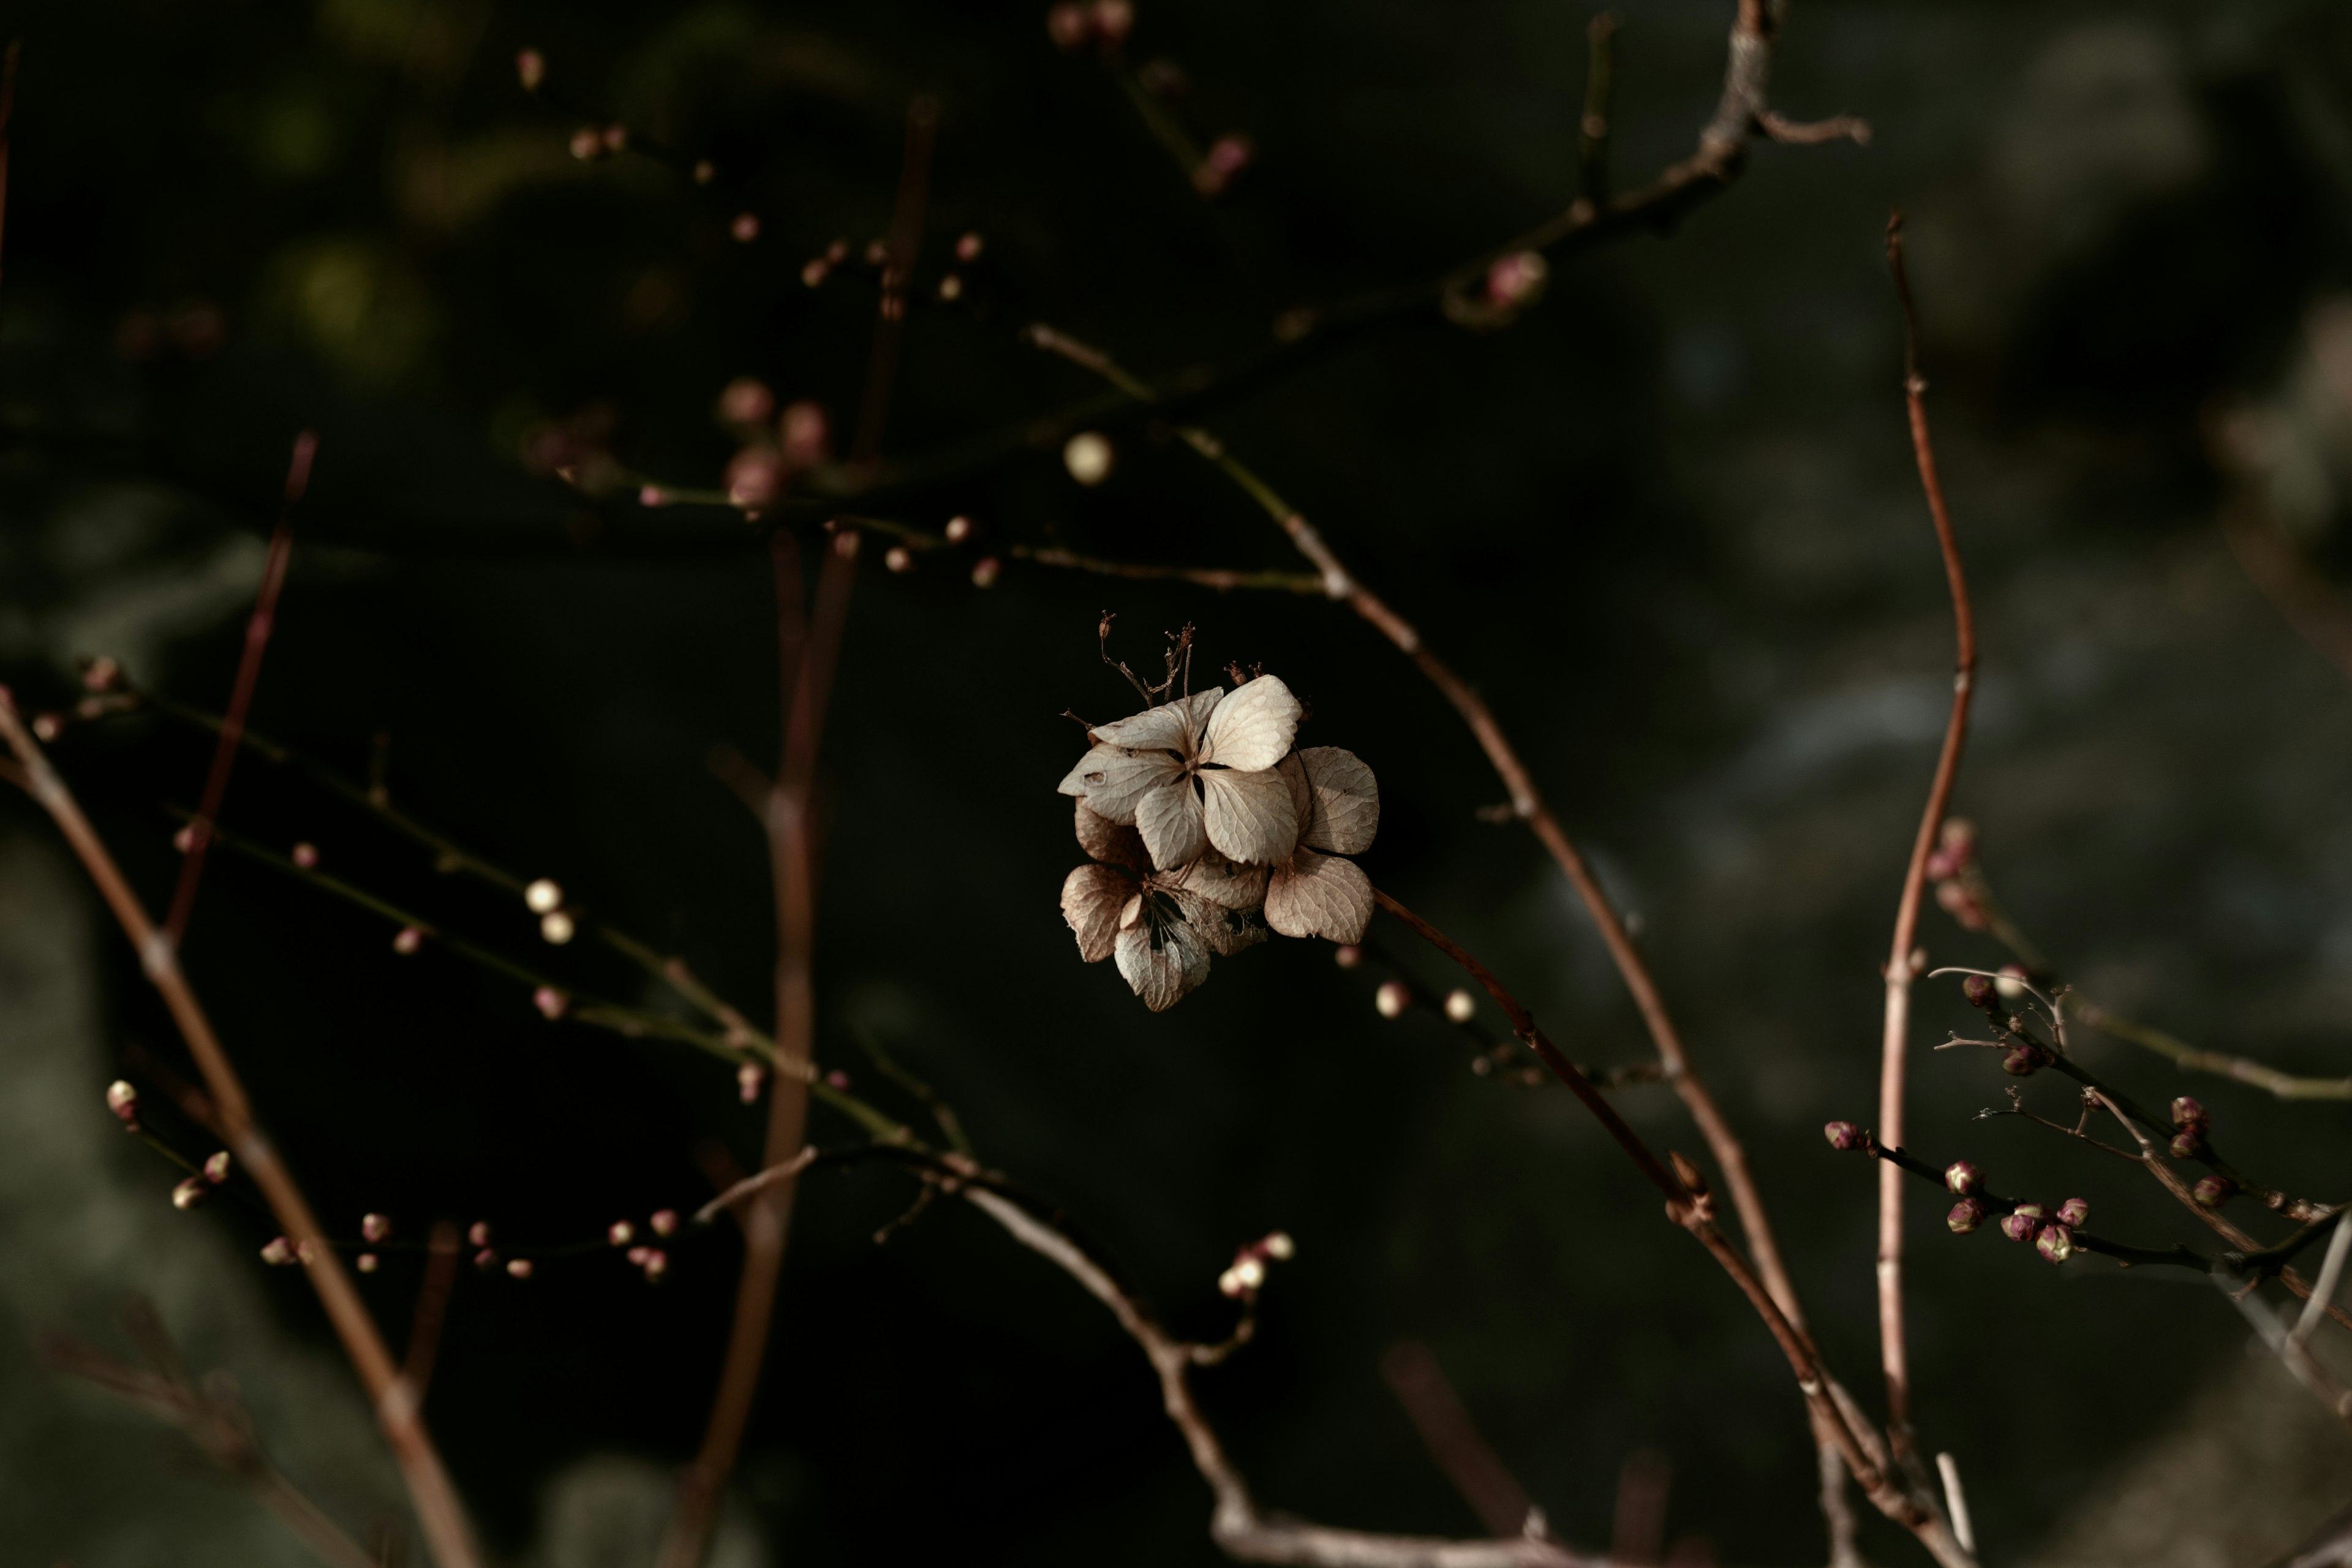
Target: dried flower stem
{"type": "Point", "coordinates": [1902, 959]}
{"type": "Point", "coordinates": [447, 1533]}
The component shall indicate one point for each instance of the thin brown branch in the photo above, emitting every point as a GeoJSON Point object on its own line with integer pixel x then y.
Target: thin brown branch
{"type": "Point", "coordinates": [447, 1533]}
{"type": "Point", "coordinates": [432, 1309]}
{"type": "Point", "coordinates": [258, 627]}
{"type": "Point", "coordinates": [2192, 1059]}
{"type": "Point", "coordinates": [898, 267]}
{"type": "Point", "coordinates": [1903, 961]}
{"type": "Point", "coordinates": [1814, 134]}
{"type": "Point", "coordinates": [1455, 1443]}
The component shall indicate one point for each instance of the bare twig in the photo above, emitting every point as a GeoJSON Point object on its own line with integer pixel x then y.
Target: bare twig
{"type": "Point", "coordinates": [437, 1507]}
{"type": "Point", "coordinates": [1903, 961]}
{"type": "Point", "coordinates": [1453, 1440]}
{"type": "Point", "coordinates": [1956, 1501]}
{"type": "Point", "coordinates": [897, 267]}
{"type": "Point", "coordinates": [2293, 1353]}
{"type": "Point", "coordinates": [432, 1309]}
{"type": "Point", "coordinates": [2191, 1058]}
{"type": "Point", "coordinates": [2331, 1275]}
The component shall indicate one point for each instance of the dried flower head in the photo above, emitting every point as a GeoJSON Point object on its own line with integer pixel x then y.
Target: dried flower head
{"type": "Point", "coordinates": [1198, 773]}
{"type": "Point", "coordinates": [1162, 927]}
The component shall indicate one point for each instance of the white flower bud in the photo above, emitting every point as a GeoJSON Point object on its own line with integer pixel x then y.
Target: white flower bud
{"type": "Point", "coordinates": [374, 1228]}
{"type": "Point", "coordinates": [366, 1262]}
{"type": "Point", "coordinates": [217, 1168]}
{"type": "Point", "coordinates": [1278, 1246]}
{"type": "Point", "coordinates": [664, 1221]}
{"type": "Point", "coordinates": [518, 1268]}
{"type": "Point", "coordinates": [1391, 999]}
{"type": "Point", "coordinates": [542, 896]}
{"type": "Point", "coordinates": [620, 1233]}
{"type": "Point", "coordinates": [1229, 1283]}
{"type": "Point", "coordinates": [277, 1250]}
{"type": "Point", "coordinates": [123, 1100]}
{"type": "Point", "coordinates": [1250, 1272]}
{"type": "Point", "coordinates": [556, 927]}
{"type": "Point", "coordinates": [190, 1192]}
{"type": "Point", "coordinates": [656, 1265]}
{"type": "Point", "coordinates": [958, 530]}
{"type": "Point", "coordinates": [1460, 1006]}
{"type": "Point", "coordinates": [1088, 458]}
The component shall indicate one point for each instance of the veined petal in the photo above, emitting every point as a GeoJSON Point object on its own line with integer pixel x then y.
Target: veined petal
{"type": "Point", "coordinates": [1091, 897]}
{"type": "Point", "coordinates": [1168, 818]}
{"type": "Point", "coordinates": [1220, 881]}
{"type": "Point", "coordinates": [1249, 815]}
{"type": "Point", "coordinates": [1226, 931]}
{"type": "Point", "coordinates": [1170, 727]}
{"type": "Point", "coordinates": [1161, 959]}
{"type": "Point", "coordinates": [1109, 842]}
{"type": "Point", "coordinates": [1252, 728]}
{"type": "Point", "coordinates": [1111, 780]}
{"type": "Point", "coordinates": [1345, 809]}
{"type": "Point", "coordinates": [1316, 895]}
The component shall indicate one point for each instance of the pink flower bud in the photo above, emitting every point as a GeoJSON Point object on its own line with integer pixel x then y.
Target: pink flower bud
{"type": "Point", "coordinates": [616, 136]}
{"type": "Point", "coordinates": [1348, 956]}
{"type": "Point", "coordinates": [1981, 992]}
{"type": "Point", "coordinates": [704, 171]}
{"type": "Point", "coordinates": [1391, 999]}
{"type": "Point", "coordinates": [958, 530]}
{"type": "Point", "coordinates": [2024, 1061]}
{"type": "Point", "coordinates": [813, 271]}
{"type": "Point", "coordinates": [48, 727]}
{"type": "Point", "coordinates": [750, 1077]}
{"type": "Point", "coordinates": [656, 1265]}
{"type": "Point", "coordinates": [486, 1260]}
{"type": "Point", "coordinates": [2213, 1192]}
{"type": "Point", "coordinates": [518, 1268]}
{"type": "Point", "coordinates": [664, 1221]}
{"type": "Point", "coordinates": [366, 1262]}
{"type": "Point", "coordinates": [406, 940]}
{"type": "Point", "coordinates": [2019, 1227]}
{"type": "Point", "coordinates": [190, 1192]}
{"type": "Point", "coordinates": [1226, 156]}
{"type": "Point", "coordinates": [745, 228]}
{"type": "Point", "coordinates": [838, 1079]}
{"type": "Point", "coordinates": [968, 246]}
{"type": "Point", "coordinates": [806, 433]}
{"type": "Point", "coordinates": [306, 856]}
{"type": "Point", "coordinates": [755, 476]}
{"type": "Point", "coordinates": [2186, 1144]}
{"type": "Point", "coordinates": [217, 1168]}
{"type": "Point", "coordinates": [1113, 20]}
{"type": "Point", "coordinates": [374, 1227]}
{"type": "Point", "coordinates": [2073, 1214]}
{"type": "Point", "coordinates": [587, 142]}
{"type": "Point", "coordinates": [637, 1255]}
{"type": "Point", "coordinates": [985, 571]}
{"type": "Point", "coordinates": [1067, 25]}
{"type": "Point", "coordinates": [2188, 1112]}
{"type": "Point", "coordinates": [1843, 1136]}
{"type": "Point", "coordinates": [899, 558]}
{"type": "Point", "coordinates": [620, 1233]}
{"type": "Point", "coordinates": [550, 1003]}
{"type": "Point", "coordinates": [277, 1250]}
{"type": "Point", "coordinates": [2055, 1243]}
{"type": "Point", "coordinates": [652, 495]}
{"type": "Point", "coordinates": [478, 1232]}
{"type": "Point", "coordinates": [1966, 1216]}
{"type": "Point", "coordinates": [1516, 279]}
{"type": "Point", "coordinates": [185, 840]}
{"type": "Point", "coordinates": [123, 1100]}
{"type": "Point", "coordinates": [1963, 1178]}
{"type": "Point", "coordinates": [531, 69]}
{"type": "Point", "coordinates": [746, 400]}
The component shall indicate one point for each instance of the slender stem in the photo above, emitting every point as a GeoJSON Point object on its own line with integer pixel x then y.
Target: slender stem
{"type": "Point", "coordinates": [1902, 959]}
{"type": "Point", "coordinates": [2331, 1274]}
{"type": "Point", "coordinates": [1592, 126]}
{"type": "Point", "coordinates": [447, 1533]}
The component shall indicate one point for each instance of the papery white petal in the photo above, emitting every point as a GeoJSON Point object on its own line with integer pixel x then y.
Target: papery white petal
{"type": "Point", "coordinates": [1249, 815]}
{"type": "Point", "coordinates": [1169, 819]}
{"type": "Point", "coordinates": [1111, 780]}
{"type": "Point", "coordinates": [1226, 931]}
{"type": "Point", "coordinates": [1091, 897]}
{"type": "Point", "coordinates": [1220, 881]}
{"type": "Point", "coordinates": [1172, 727]}
{"type": "Point", "coordinates": [1162, 959]}
{"type": "Point", "coordinates": [1316, 895]}
{"type": "Point", "coordinates": [1111, 843]}
{"type": "Point", "coordinates": [1345, 812]}
{"type": "Point", "coordinates": [1252, 728]}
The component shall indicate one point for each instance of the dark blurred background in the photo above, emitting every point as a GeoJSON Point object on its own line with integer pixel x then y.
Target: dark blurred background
{"type": "Point", "coordinates": [1667, 519]}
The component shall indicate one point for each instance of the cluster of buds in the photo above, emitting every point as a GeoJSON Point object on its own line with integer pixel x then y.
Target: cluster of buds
{"type": "Point", "coordinates": [2188, 1116]}
{"type": "Point", "coordinates": [197, 1188]}
{"type": "Point", "coordinates": [1242, 1280]}
{"type": "Point", "coordinates": [544, 898]}
{"type": "Point", "coordinates": [960, 530]}
{"type": "Point", "coordinates": [279, 1252]}
{"type": "Point", "coordinates": [800, 439]}
{"type": "Point", "coordinates": [1105, 23]}
{"type": "Point", "coordinates": [1948, 867]}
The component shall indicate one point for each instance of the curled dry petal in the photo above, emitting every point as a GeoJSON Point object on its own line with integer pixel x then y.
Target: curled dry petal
{"type": "Point", "coordinates": [1092, 897]}
{"type": "Point", "coordinates": [1319, 895]}
{"type": "Point", "coordinates": [1170, 822]}
{"type": "Point", "coordinates": [1161, 959]}
{"type": "Point", "coordinates": [1252, 728]}
{"type": "Point", "coordinates": [1112, 780]}
{"type": "Point", "coordinates": [1111, 843]}
{"type": "Point", "coordinates": [1250, 817]}
{"type": "Point", "coordinates": [1170, 727]}
{"type": "Point", "coordinates": [1220, 881]}
{"type": "Point", "coordinates": [1339, 800]}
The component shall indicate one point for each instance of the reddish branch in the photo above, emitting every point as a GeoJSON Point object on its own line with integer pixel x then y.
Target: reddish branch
{"type": "Point", "coordinates": [1903, 960]}
{"type": "Point", "coordinates": [437, 1508]}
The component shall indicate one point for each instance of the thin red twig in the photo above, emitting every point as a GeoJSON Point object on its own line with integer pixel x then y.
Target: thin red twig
{"type": "Point", "coordinates": [1902, 959]}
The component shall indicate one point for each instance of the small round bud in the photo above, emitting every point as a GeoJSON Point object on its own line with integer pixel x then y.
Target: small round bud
{"type": "Point", "coordinates": [985, 571]}
{"type": "Point", "coordinates": [1516, 279]}
{"type": "Point", "coordinates": [1113, 20]}
{"type": "Point", "coordinates": [101, 674]}
{"type": "Point", "coordinates": [845, 543]}
{"type": "Point", "coordinates": [2032, 1211]}
{"type": "Point", "coordinates": [2188, 1112]}
{"type": "Point", "coordinates": [542, 896]}
{"type": "Point", "coordinates": [657, 1264]}
{"type": "Point", "coordinates": [123, 1100]}
{"type": "Point", "coordinates": [587, 142]}
{"type": "Point", "coordinates": [2074, 1213]}
{"type": "Point", "coordinates": [486, 1260]}
{"type": "Point", "coordinates": [367, 1262]}
{"type": "Point", "coordinates": [550, 1003]}
{"type": "Point", "coordinates": [899, 558]}
{"type": "Point", "coordinates": [2213, 1192]}
{"type": "Point", "coordinates": [1963, 1178]}
{"type": "Point", "coordinates": [2011, 982]}
{"type": "Point", "coordinates": [277, 1251]}
{"type": "Point", "coordinates": [2024, 1061]}
{"type": "Point", "coordinates": [838, 1079]}
{"type": "Point", "coordinates": [531, 69]}
{"type": "Point", "coordinates": [217, 1167]}
{"type": "Point", "coordinates": [1067, 25]}
{"type": "Point", "coordinates": [958, 530]}
{"type": "Point", "coordinates": [1279, 1245]}
{"type": "Point", "coordinates": [620, 1233]}
{"type": "Point", "coordinates": [2020, 1227]}
{"type": "Point", "coordinates": [406, 940]}
{"type": "Point", "coordinates": [557, 928]}
{"type": "Point", "coordinates": [1843, 1136]}
{"type": "Point", "coordinates": [750, 1077]}
{"type": "Point", "coordinates": [1229, 1283]}
{"type": "Point", "coordinates": [637, 1255]}
{"type": "Point", "coordinates": [746, 400]}
{"type": "Point", "coordinates": [478, 1232]}
{"type": "Point", "coordinates": [617, 137]}
{"type": "Point", "coordinates": [745, 228]}
{"type": "Point", "coordinates": [306, 856]}
{"type": "Point", "coordinates": [1348, 956]}
{"type": "Point", "coordinates": [805, 432]}
{"type": "Point", "coordinates": [184, 840]}
{"type": "Point", "coordinates": [664, 1221]}
{"type": "Point", "coordinates": [518, 1268]}
{"type": "Point", "coordinates": [1966, 1216]}
{"type": "Point", "coordinates": [1088, 457]}
{"type": "Point", "coordinates": [1251, 1271]}
{"type": "Point", "coordinates": [1981, 992]}
{"type": "Point", "coordinates": [950, 288]}
{"type": "Point", "coordinates": [2186, 1145]}
{"type": "Point", "coordinates": [1391, 999]}
{"type": "Point", "coordinates": [48, 727]}
{"type": "Point", "coordinates": [652, 495]}
{"type": "Point", "coordinates": [813, 271]}
{"type": "Point", "coordinates": [968, 246]}
{"type": "Point", "coordinates": [374, 1227]}
{"type": "Point", "coordinates": [190, 1192]}
{"type": "Point", "coordinates": [755, 476]}
{"type": "Point", "coordinates": [1226, 156]}
{"type": "Point", "coordinates": [2055, 1243]}
{"type": "Point", "coordinates": [704, 171]}
{"type": "Point", "coordinates": [878, 251]}
{"type": "Point", "coordinates": [1460, 1006]}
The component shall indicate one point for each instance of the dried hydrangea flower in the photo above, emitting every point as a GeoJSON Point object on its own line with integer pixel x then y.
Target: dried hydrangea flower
{"type": "Point", "coordinates": [1338, 801]}
{"type": "Point", "coordinates": [1162, 927]}
{"type": "Point", "coordinates": [1197, 773]}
